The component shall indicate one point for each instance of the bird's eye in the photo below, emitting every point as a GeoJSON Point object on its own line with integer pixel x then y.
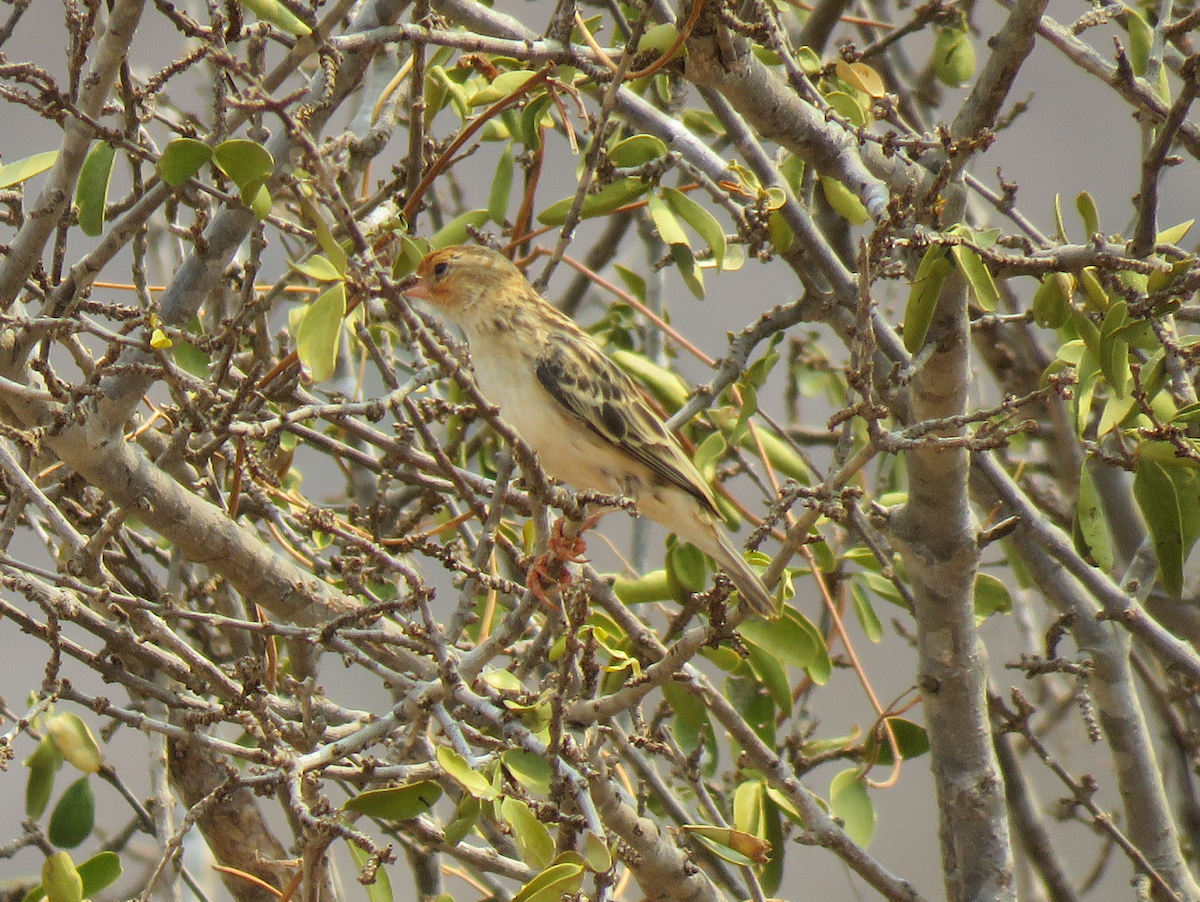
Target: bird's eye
{"type": "Point", "coordinates": [440, 269]}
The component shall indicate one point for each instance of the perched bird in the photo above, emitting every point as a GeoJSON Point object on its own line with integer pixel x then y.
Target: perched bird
{"type": "Point", "coordinates": [578, 410]}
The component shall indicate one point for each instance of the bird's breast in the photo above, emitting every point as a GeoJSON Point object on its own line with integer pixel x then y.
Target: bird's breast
{"type": "Point", "coordinates": [568, 449]}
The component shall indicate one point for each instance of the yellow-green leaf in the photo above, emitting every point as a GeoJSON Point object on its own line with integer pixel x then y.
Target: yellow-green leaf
{"type": "Point", "coordinates": [319, 336]}
{"type": "Point", "coordinates": [75, 742]}
{"type": "Point", "coordinates": [637, 151]}
{"type": "Point", "coordinates": [923, 296]}
{"type": "Point", "coordinates": [848, 800]}
{"type": "Point", "coordinates": [843, 201]}
{"type": "Point", "coordinates": [953, 57]}
{"type": "Point", "coordinates": [534, 841]}
{"type": "Point", "coordinates": [552, 884]}
{"type": "Point", "coordinates": [182, 159]}
{"type": "Point", "coordinates": [74, 816]}
{"type": "Point", "coordinates": [704, 223]}
{"type": "Point", "coordinates": [396, 803]}
{"type": "Point", "coordinates": [381, 889]}
{"type": "Point", "coordinates": [605, 201]}
{"type": "Point", "coordinates": [458, 770]}
{"type": "Point", "coordinates": [245, 162]}
{"type": "Point", "coordinates": [502, 183]}
{"type": "Point", "coordinates": [455, 231]}
{"type": "Point", "coordinates": [91, 192]}
{"type": "Point", "coordinates": [278, 15]}
{"type": "Point", "coordinates": [60, 879]}
{"type": "Point", "coordinates": [19, 170]}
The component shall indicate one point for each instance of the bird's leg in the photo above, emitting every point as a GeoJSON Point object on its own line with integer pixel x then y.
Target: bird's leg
{"type": "Point", "coordinates": [565, 545]}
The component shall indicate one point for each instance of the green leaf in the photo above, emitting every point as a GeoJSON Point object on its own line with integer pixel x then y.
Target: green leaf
{"type": "Point", "coordinates": [278, 15]}
{"type": "Point", "coordinates": [75, 742]}
{"type": "Point", "coordinates": [689, 566]}
{"type": "Point", "coordinates": [772, 676]}
{"type": "Point", "coordinates": [455, 231]}
{"type": "Point", "coordinates": [652, 586]}
{"type": "Point", "coordinates": [848, 107]}
{"type": "Point", "coordinates": [953, 57]}
{"type": "Point", "coordinates": [705, 224]}
{"type": "Point", "coordinates": [1169, 498]}
{"type": "Point", "coordinates": [785, 639]}
{"type": "Point", "coordinates": [43, 764]}
{"type": "Point", "coordinates": [1089, 213]}
{"type": "Point", "coordinates": [911, 738]}
{"type": "Point", "coordinates": [1052, 300]}
{"type": "Point", "coordinates": [865, 611]}
{"type": "Point", "coordinates": [978, 277]}
{"type": "Point", "coordinates": [465, 816]}
{"type": "Point", "coordinates": [396, 803]}
{"type": "Point", "coordinates": [689, 269]}
{"type": "Point", "coordinates": [1093, 540]}
{"type": "Point", "coordinates": [923, 296]}
{"type": "Point", "coordinates": [534, 841]}
{"type": "Point", "coordinates": [91, 193]}
{"type": "Point", "coordinates": [1175, 234]}
{"type": "Point", "coordinates": [552, 884]}
{"type": "Point", "coordinates": [530, 770]}
{"type": "Point", "coordinates": [597, 853]}
{"type": "Point", "coordinates": [821, 667]}
{"type": "Point", "coordinates": [735, 846]}
{"type": "Point", "coordinates": [502, 86]}
{"type": "Point", "coordinates": [318, 338]}
{"type": "Point", "coordinates": [60, 879]}
{"type": "Point", "coordinates": [601, 203]}
{"type": "Point", "coordinates": [182, 159]}
{"type": "Point", "coordinates": [843, 201]}
{"type": "Point", "coordinates": [690, 717]}
{"type": "Point", "coordinates": [637, 151]}
{"type": "Point", "coordinates": [1114, 350]}
{"type": "Point", "coordinates": [665, 223]}
{"type": "Point", "coordinates": [848, 800]}
{"type": "Point", "coordinates": [19, 170]}
{"type": "Point", "coordinates": [318, 268]}
{"type": "Point", "coordinates": [256, 196]}
{"type": "Point", "coordinates": [1097, 297]}
{"type": "Point", "coordinates": [1141, 40]}
{"type": "Point", "coordinates": [501, 188]}
{"type": "Point", "coordinates": [245, 162]}
{"type": "Point", "coordinates": [667, 387]}
{"type": "Point", "coordinates": [748, 801]}
{"type": "Point", "coordinates": [991, 597]}
{"type": "Point", "coordinates": [381, 889]}
{"type": "Point", "coordinates": [458, 770]}
{"type": "Point", "coordinates": [502, 680]}
{"type": "Point", "coordinates": [74, 816]}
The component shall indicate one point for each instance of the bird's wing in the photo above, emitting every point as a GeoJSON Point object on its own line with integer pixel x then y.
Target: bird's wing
{"type": "Point", "coordinates": [586, 381]}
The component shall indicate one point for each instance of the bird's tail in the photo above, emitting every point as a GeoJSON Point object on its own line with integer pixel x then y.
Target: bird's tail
{"type": "Point", "coordinates": [745, 580]}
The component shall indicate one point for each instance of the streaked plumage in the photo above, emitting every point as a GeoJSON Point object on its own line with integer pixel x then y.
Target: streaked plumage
{"type": "Point", "coordinates": [585, 418]}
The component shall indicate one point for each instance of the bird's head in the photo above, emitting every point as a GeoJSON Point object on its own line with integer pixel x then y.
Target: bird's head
{"type": "Point", "coordinates": [464, 281]}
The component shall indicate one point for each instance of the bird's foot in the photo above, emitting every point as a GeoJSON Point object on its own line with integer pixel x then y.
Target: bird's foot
{"type": "Point", "coordinates": [548, 572]}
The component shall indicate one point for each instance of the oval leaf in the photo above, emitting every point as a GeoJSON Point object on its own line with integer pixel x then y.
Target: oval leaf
{"type": "Point", "coordinates": [60, 879]}
{"type": "Point", "coordinates": [848, 799]}
{"type": "Point", "coordinates": [75, 742]}
{"type": "Point", "coordinates": [319, 336]}
{"type": "Point", "coordinates": [182, 159]}
{"type": "Point", "coordinates": [396, 803]}
{"type": "Point", "coordinates": [923, 296]}
{"type": "Point", "coordinates": [18, 171]}
{"type": "Point", "coordinates": [91, 193]}
{"type": "Point", "coordinates": [243, 161]}
{"type": "Point", "coordinates": [74, 816]}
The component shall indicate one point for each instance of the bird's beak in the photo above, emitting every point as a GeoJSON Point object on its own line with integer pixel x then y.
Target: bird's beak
{"type": "Point", "coordinates": [418, 290]}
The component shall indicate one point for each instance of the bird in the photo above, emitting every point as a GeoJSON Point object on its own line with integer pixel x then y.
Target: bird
{"type": "Point", "coordinates": [586, 419]}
